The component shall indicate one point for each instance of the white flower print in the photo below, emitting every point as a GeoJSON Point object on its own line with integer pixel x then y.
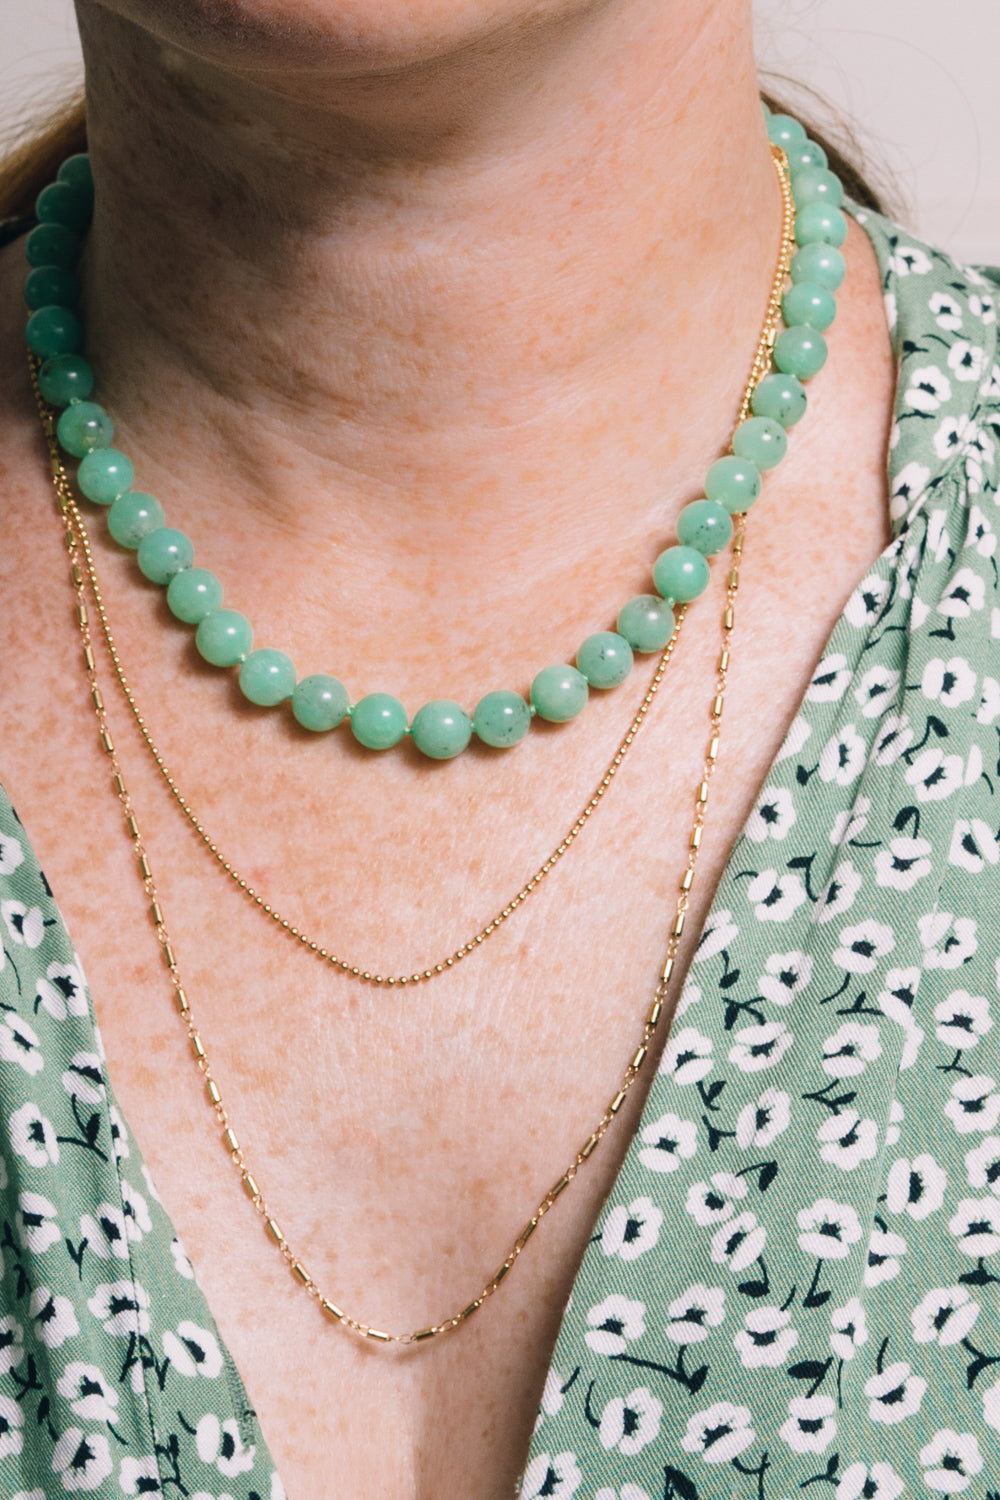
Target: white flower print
{"type": "Point", "coordinates": [880, 1482]}
{"type": "Point", "coordinates": [884, 1250]}
{"type": "Point", "coordinates": [667, 1142]}
{"type": "Point", "coordinates": [219, 1443]}
{"type": "Point", "coordinates": [850, 1329]}
{"type": "Point", "coordinates": [908, 488]}
{"type": "Point", "coordinates": [847, 1140]}
{"type": "Point", "coordinates": [629, 1422]}
{"type": "Point", "coordinates": [766, 1339]}
{"type": "Point", "coordinates": [139, 1476]}
{"type": "Point", "coordinates": [982, 1165]}
{"type": "Point", "coordinates": [688, 1056]}
{"type": "Point", "coordinates": [947, 312]}
{"type": "Point", "coordinates": [927, 389]}
{"type": "Point", "coordinates": [122, 1306]}
{"type": "Point", "coordinates": [837, 896]}
{"type": "Point", "coordinates": [119, 1135]}
{"type": "Point", "coordinates": [711, 1203]}
{"type": "Point", "coordinates": [944, 1316]}
{"type": "Point", "coordinates": [980, 534]}
{"type": "Point", "coordinates": [973, 1104]}
{"type": "Point", "coordinates": [934, 775]}
{"type": "Point", "coordinates": [965, 593]}
{"type": "Point", "coordinates": [983, 307]}
{"type": "Point", "coordinates": [877, 690]}
{"type": "Point", "coordinates": [19, 1044]}
{"type": "Point", "coordinates": [811, 1425]}
{"type": "Point", "coordinates": [25, 924]}
{"type": "Point", "coordinates": [738, 1242]}
{"type": "Point", "coordinates": [843, 757]}
{"type": "Point", "coordinates": [893, 740]}
{"type": "Point", "coordinates": [865, 605]}
{"type": "Point", "coordinates": [862, 946]}
{"type": "Point", "coordinates": [719, 1434]}
{"type": "Point", "coordinates": [915, 1187]}
{"type": "Point", "coordinates": [774, 899]}
{"type": "Point", "coordinates": [82, 1460]}
{"type": "Point", "coordinates": [553, 1394]}
{"type": "Point", "coordinates": [11, 854]}
{"type": "Point", "coordinates": [962, 1019]}
{"type": "Point", "coordinates": [847, 1052]}
{"type": "Point", "coordinates": [33, 1137]}
{"type": "Point", "coordinates": [991, 1406]}
{"type": "Point", "coordinates": [989, 704]}
{"type": "Point", "coordinates": [896, 1393]}
{"type": "Point", "coordinates": [193, 1351]}
{"type": "Point", "coordinates": [896, 1116]}
{"type": "Point", "coordinates": [84, 1079]}
{"type": "Point", "coordinates": [772, 817]}
{"type": "Point", "coordinates": [694, 1313]}
{"type": "Point", "coordinates": [976, 1226]}
{"type": "Point", "coordinates": [62, 991]}
{"type": "Point", "coordinates": [949, 941]}
{"type": "Point", "coordinates": [973, 845]}
{"type": "Point", "coordinates": [761, 1123]}
{"type": "Point", "coordinates": [12, 1439]}
{"type": "Point", "coordinates": [851, 822]}
{"type": "Point", "coordinates": [689, 995]}
{"type": "Point", "coordinates": [966, 361]}
{"type": "Point", "coordinates": [137, 1220]}
{"type": "Point", "coordinates": [903, 863]}
{"type": "Point", "coordinates": [910, 260]}
{"type": "Point", "coordinates": [105, 1232]}
{"type": "Point", "coordinates": [549, 1474]}
{"type": "Point", "coordinates": [951, 1461]}
{"type": "Point", "coordinates": [35, 1223]}
{"type": "Point", "coordinates": [948, 682]}
{"type": "Point", "coordinates": [11, 1343]}
{"type": "Point", "coordinates": [88, 1392]}
{"type": "Point", "coordinates": [759, 1047]}
{"type": "Point", "coordinates": [716, 935]}
{"type": "Point", "coordinates": [829, 1229]}
{"type": "Point", "coordinates": [952, 435]}
{"type": "Point", "coordinates": [798, 732]}
{"type": "Point", "coordinates": [830, 680]}
{"type": "Point", "coordinates": [630, 1232]}
{"type": "Point", "coordinates": [786, 976]}
{"type": "Point", "coordinates": [53, 1317]}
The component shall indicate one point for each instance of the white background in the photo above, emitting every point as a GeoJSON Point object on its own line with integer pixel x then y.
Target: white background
{"type": "Point", "coordinates": [916, 80]}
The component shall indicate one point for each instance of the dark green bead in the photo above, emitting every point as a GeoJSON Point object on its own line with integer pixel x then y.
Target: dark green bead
{"type": "Point", "coordinates": [164, 552]}
{"type": "Point", "coordinates": [734, 483]}
{"type": "Point", "coordinates": [808, 302]}
{"type": "Point", "coordinates": [62, 203]}
{"type": "Point", "coordinates": [52, 245]}
{"type": "Point", "coordinates": [646, 622]}
{"type": "Point", "coordinates": [83, 427]}
{"type": "Point", "coordinates": [224, 637]}
{"type": "Point", "coordinates": [800, 351]}
{"type": "Point", "coordinates": [816, 185]}
{"type": "Point", "coordinates": [706, 526]}
{"type": "Point", "coordinates": [761, 440]}
{"type": "Point", "coordinates": [559, 693]}
{"type": "Point", "coordinates": [65, 378]}
{"type": "Point", "coordinates": [133, 516]}
{"type": "Point", "coordinates": [267, 677]}
{"type": "Point", "coordinates": [817, 224]}
{"type": "Point", "coordinates": [501, 719]}
{"type": "Point", "coordinates": [49, 286]}
{"type": "Point", "coordinates": [378, 721]}
{"type": "Point", "coordinates": [76, 171]}
{"type": "Point", "coordinates": [54, 330]}
{"type": "Point", "coordinates": [819, 263]}
{"type": "Point", "coordinates": [441, 729]}
{"type": "Point", "coordinates": [680, 574]}
{"type": "Point", "coordinates": [605, 659]}
{"type": "Point", "coordinates": [780, 397]}
{"type": "Point", "coordinates": [194, 593]}
{"type": "Point", "coordinates": [104, 475]}
{"type": "Point", "coordinates": [320, 702]}
{"type": "Point", "coordinates": [784, 130]}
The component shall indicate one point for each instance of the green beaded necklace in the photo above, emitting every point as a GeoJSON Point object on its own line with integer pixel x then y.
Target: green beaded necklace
{"type": "Point", "coordinates": [441, 729]}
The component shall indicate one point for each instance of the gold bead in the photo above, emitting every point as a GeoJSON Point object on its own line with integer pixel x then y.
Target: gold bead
{"type": "Point", "coordinates": [274, 1230]}
{"type": "Point", "coordinates": [230, 1140]}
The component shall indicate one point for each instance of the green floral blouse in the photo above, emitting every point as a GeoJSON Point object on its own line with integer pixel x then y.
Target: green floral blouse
{"type": "Point", "coordinates": [790, 1290]}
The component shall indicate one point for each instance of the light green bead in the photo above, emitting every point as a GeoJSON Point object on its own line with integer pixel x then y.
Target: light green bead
{"type": "Point", "coordinates": [320, 702]}
{"type": "Point", "coordinates": [224, 637]}
{"type": "Point", "coordinates": [133, 516]}
{"type": "Point", "coordinates": [816, 185]}
{"type": "Point", "coordinates": [784, 130]}
{"type": "Point", "coordinates": [559, 693]}
{"type": "Point", "coordinates": [734, 483]}
{"type": "Point", "coordinates": [800, 351]}
{"type": "Point", "coordinates": [808, 302]}
{"type": "Point", "coordinates": [164, 552]}
{"type": "Point", "coordinates": [804, 154]}
{"type": "Point", "coordinates": [54, 330]}
{"type": "Point", "coordinates": [104, 475]}
{"type": "Point", "coordinates": [820, 263]}
{"type": "Point", "coordinates": [780, 397]}
{"type": "Point", "coordinates": [501, 719]}
{"type": "Point", "coordinates": [761, 440]}
{"type": "Point", "coordinates": [83, 427]}
{"type": "Point", "coordinates": [194, 593]}
{"type": "Point", "coordinates": [680, 574]}
{"type": "Point", "coordinates": [49, 286]}
{"type": "Point", "coordinates": [441, 729]}
{"type": "Point", "coordinates": [267, 677]}
{"type": "Point", "coordinates": [646, 622]}
{"type": "Point", "coordinates": [65, 378]}
{"type": "Point", "coordinates": [706, 526]}
{"type": "Point", "coordinates": [378, 721]}
{"type": "Point", "coordinates": [817, 224]}
{"type": "Point", "coordinates": [65, 203]}
{"type": "Point", "coordinates": [605, 659]}
{"type": "Point", "coordinates": [52, 245]}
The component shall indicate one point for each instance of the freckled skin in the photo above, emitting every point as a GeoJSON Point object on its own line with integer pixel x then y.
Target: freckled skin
{"type": "Point", "coordinates": [446, 309]}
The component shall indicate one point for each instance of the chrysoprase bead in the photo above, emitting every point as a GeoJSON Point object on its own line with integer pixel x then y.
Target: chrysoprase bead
{"type": "Point", "coordinates": [819, 263]}
{"type": "Point", "coordinates": [441, 729]}
{"type": "Point", "coordinates": [52, 245]}
{"type": "Point", "coordinates": [267, 677]}
{"type": "Point", "coordinates": [802, 154]}
{"type": "Point", "coordinates": [502, 718]}
{"type": "Point", "coordinates": [605, 659]}
{"type": "Point", "coordinates": [734, 483]}
{"type": "Point", "coordinates": [54, 330]}
{"type": "Point", "coordinates": [817, 224]}
{"type": "Point", "coordinates": [784, 130]}
{"type": "Point", "coordinates": [800, 351]}
{"type": "Point", "coordinates": [559, 693]}
{"type": "Point", "coordinates": [65, 378]}
{"type": "Point", "coordinates": [646, 622]}
{"type": "Point", "coordinates": [320, 702]}
{"type": "Point", "coordinates": [104, 475]}
{"type": "Point", "coordinates": [164, 552]}
{"type": "Point", "coordinates": [706, 526]}
{"type": "Point", "coordinates": [194, 593]}
{"type": "Point", "coordinates": [51, 286]}
{"type": "Point", "coordinates": [132, 516]}
{"type": "Point", "coordinates": [816, 185]}
{"type": "Point", "coordinates": [378, 721]}
{"type": "Point", "coordinates": [761, 440]}
{"type": "Point", "coordinates": [680, 574]}
{"type": "Point", "coordinates": [780, 397]}
{"type": "Point", "coordinates": [224, 637]}
{"type": "Point", "coordinates": [808, 302]}
{"type": "Point", "coordinates": [76, 170]}
{"type": "Point", "coordinates": [83, 427]}
{"type": "Point", "coordinates": [63, 203]}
